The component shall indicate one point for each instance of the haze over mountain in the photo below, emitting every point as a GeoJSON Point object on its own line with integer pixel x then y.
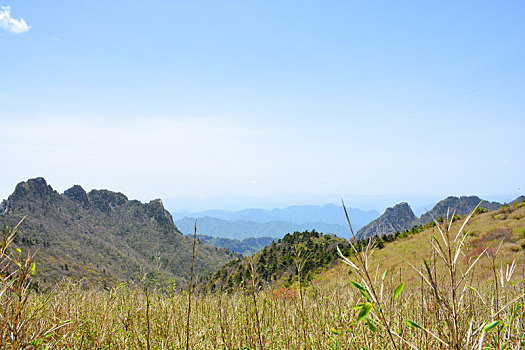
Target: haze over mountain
{"type": "Point", "coordinates": [252, 222]}
{"type": "Point", "coordinates": [243, 229]}
{"type": "Point", "coordinates": [245, 247]}
{"type": "Point", "coordinates": [102, 236]}
{"type": "Point", "coordinates": [297, 214]}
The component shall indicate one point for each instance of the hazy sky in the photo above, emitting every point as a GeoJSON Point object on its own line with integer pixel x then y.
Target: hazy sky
{"type": "Point", "coordinates": [242, 103]}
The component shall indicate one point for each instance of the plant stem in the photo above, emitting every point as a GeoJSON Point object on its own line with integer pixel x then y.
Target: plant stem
{"type": "Point", "coordinates": [190, 287]}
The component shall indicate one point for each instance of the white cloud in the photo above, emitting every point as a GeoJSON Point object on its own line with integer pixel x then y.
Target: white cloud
{"type": "Point", "coordinates": [15, 26]}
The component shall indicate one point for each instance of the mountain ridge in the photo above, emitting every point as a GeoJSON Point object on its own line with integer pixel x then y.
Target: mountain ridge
{"type": "Point", "coordinates": [462, 205]}
{"type": "Point", "coordinates": [243, 229]}
{"type": "Point", "coordinates": [393, 219]}
{"type": "Point", "coordinates": [102, 236]}
{"type": "Point", "coordinates": [297, 214]}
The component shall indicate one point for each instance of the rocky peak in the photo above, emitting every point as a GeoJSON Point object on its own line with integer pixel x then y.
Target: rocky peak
{"type": "Point", "coordinates": [400, 210]}
{"type": "Point", "coordinates": [155, 209]}
{"type": "Point", "coordinates": [463, 205]}
{"type": "Point", "coordinates": [397, 218]}
{"type": "Point", "coordinates": [31, 190]}
{"type": "Point", "coordinates": [77, 194]}
{"type": "Point", "coordinates": [106, 200]}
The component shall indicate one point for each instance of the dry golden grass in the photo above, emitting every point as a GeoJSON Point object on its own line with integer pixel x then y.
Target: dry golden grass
{"type": "Point", "coordinates": [485, 230]}
{"type": "Point", "coordinates": [320, 315]}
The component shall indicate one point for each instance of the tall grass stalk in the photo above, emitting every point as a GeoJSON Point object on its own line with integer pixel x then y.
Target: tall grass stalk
{"type": "Point", "coordinates": [256, 312]}
{"type": "Point", "coordinates": [190, 287]}
{"type": "Point", "coordinates": [16, 270]}
{"type": "Point", "coordinates": [299, 261]}
{"type": "Point", "coordinates": [460, 331]}
{"type": "Point", "coordinates": [371, 310]}
{"type": "Point", "coordinates": [367, 287]}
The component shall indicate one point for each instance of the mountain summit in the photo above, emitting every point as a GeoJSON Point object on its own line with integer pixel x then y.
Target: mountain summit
{"type": "Point", "coordinates": [401, 217]}
{"type": "Point", "coordinates": [398, 218]}
{"type": "Point", "coordinates": [463, 205]}
{"type": "Point", "coordinates": [102, 236]}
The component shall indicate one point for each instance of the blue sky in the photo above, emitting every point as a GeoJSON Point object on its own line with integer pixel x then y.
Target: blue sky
{"type": "Point", "coordinates": [268, 103]}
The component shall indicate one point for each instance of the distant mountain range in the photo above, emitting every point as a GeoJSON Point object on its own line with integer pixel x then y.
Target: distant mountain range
{"type": "Point", "coordinates": [401, 217]}
{"type": "Point", "coordinates": [246, 247]}
{"type": "Point", "coordinates": [276, 223]}
{"type": "Point", "coordinates": [102, 237]}
{"type": "Point", "coordinates": [297, 214]}
{"type": "Point", "coordinates": [245, 229]}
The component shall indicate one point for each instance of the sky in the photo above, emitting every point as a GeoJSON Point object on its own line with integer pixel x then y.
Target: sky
{"type": "Point", "coordinates": [238, 104]}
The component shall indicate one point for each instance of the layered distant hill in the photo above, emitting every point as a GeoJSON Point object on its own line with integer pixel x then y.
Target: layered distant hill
{"type": "Point", "coordinates": [297, 214]}
{"type": "Point", "coordinates": [317, 253]}
{"type": "Point", "coordinates": [401, 217]}
{"type": "Point", "coordinates": [246, 247]}
{"type": "Point", "coordinates": [102, 236]}
{"type": "Point", "coordinates": [245, 229]}
{"type": "Point", "coordinates": [246, 223]}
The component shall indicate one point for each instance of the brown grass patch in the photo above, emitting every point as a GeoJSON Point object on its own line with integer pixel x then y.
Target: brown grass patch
{"type": "Point", "coordinates": [490, 239]}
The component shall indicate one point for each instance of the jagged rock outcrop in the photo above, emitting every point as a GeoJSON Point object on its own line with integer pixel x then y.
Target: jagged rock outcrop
{"type": "Point", "coordinates": [33, 194]}
{"type": "Point", "coordinates": [105, 200]}
{"type": "Point", "coordinates": [463, 205]}
{"type": "Point", "coordinates": [398, 218]}
{"type": "Point", "coordinates": [401, 217]}
{"type": "Point", "coordinates": [102, 237]}
{"type": "Point", "coordinates": [77, 194]}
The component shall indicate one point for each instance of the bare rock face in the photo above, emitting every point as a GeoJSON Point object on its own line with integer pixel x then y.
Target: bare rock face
{"type": "Point", "coordinates": [3, 207]}
{"type": "Point", "coordinates": [398, 218]}
{"type": "Point", "coordinates": [77, 194]}
{"type": "Point", "coordinates": [463, 205]}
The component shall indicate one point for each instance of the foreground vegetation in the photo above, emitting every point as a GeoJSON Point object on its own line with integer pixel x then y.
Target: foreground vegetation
{"type": "Point", "coordinates": [449, 304]}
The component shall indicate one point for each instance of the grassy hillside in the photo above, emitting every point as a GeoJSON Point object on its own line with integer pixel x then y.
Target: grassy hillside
{"type": "Point", "coordinates": [277, 263]}
{"type": "Point", "coordinates": [335, 310]}
{"type": "Point", "coordinates": [502, 231]}
{"type": "Point", "coordinates": [300, 253]}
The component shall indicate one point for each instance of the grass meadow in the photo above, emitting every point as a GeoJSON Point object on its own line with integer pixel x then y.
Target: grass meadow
{"type": "Point", "coordinates": [456, 286]}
